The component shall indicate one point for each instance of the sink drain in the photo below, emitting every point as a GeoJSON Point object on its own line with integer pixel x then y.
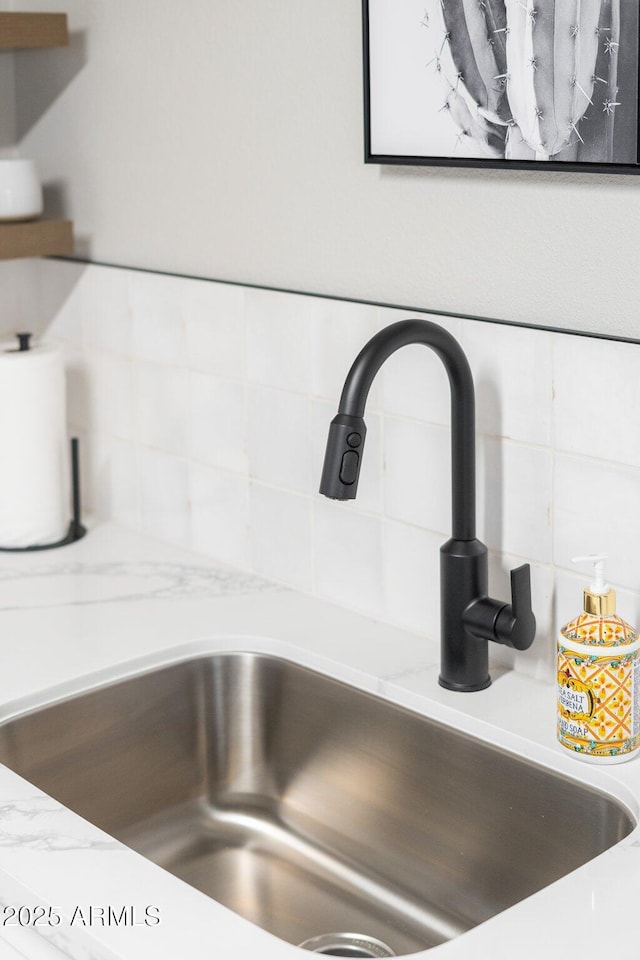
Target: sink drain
{"type": "Point", "coordinates": [347, 945]}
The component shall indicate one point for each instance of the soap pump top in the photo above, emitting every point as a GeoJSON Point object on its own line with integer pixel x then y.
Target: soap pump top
{"type": "Point", "coordinates": [599, 598]}
{"type": "Point", "coordinates": [599, 623]}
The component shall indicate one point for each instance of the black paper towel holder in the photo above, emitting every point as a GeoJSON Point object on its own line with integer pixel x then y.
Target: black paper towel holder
{"type": "Point", "coordinates": [76, 530]}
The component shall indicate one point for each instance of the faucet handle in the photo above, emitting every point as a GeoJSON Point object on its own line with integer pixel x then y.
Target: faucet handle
{"type": "Point", "coordinates": [516, 624]}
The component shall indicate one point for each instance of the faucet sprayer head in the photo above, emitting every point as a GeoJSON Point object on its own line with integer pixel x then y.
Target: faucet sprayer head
{"type": "Point", "coordinates": [343, 457]}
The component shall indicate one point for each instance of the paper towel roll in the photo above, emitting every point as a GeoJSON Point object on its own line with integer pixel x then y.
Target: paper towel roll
{"type": "Point", "coordinates": [34, 455]}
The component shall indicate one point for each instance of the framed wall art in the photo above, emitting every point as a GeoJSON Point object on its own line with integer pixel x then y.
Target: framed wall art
{"type": "Point", "coordinates": [534, 84]}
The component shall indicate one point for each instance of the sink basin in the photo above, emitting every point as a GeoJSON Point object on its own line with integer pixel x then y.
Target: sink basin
{"type": "Point", "coordinates": [310, 807]}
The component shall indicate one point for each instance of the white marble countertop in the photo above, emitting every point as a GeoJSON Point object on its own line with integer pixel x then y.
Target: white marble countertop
{"type": "Point", "coordinates": [115, 603]}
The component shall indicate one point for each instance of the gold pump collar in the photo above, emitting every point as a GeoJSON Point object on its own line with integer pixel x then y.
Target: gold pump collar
{"type": "Point", "coordinates": [600, 604]}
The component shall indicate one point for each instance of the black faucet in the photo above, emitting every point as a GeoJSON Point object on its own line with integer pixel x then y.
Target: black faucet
{"type": "Point", "coordinates": [469, 617]}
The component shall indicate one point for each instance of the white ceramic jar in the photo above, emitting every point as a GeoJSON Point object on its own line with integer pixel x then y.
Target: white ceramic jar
{"type": "Point", "coordinates": [20, 190]}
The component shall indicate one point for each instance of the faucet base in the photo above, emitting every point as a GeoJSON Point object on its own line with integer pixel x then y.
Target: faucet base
{"type": "Point", "coordinates": [464, 661]}
{"type": "Point", "coordinates": [464, 687]}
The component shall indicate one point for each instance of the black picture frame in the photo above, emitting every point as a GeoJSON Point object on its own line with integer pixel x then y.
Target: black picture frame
{"type": "Point", "coordinates": [488, 163]}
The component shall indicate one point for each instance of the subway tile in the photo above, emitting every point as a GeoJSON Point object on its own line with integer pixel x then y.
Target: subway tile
{"type": "Point", "coordinates": [339, 332]}
{"type": "Point", "coordinates": [414, 379]}
{"type": "Point", "coordinates": [280, 439]}
{"type": "Point", "coordinates": [110, 394]}
{"type": "Point", "coordinates": [162, 397]}
{"type": "Point", "coordinates": [164, 496]}
{"type": "Point", "coordinates": [104, 307]}
{"type": "Point", "coordinates": [411, 570]}
{"type": "Point", "coordinates": [597, 398]}
{"type": "Point", "coordinates": [218, 423]}
{"type": "Point", "coordinates": [213, 315]}
{"type": "Point", "coordinates": [279, 339]}
{"type": "Point", "coordinates": [59, 289]}
{"type": "Point", "coordinates": [348, 557]}
{"type": "Point", "coordinates": [157, 328]}
{"type": "Point", "coordinates": [511, 368]}
{"type": "Point", "coordinates": [514, 498]}
{"type": "Point", "coordinates": [112, 479]}
{"type": "Point", "coordinates": [281, 535]}
{"type": "Point", "coordinates": [597, 510]}
{"type": "Point", "coordinates": [219, 514]}
{"type": "Point", "coordinates": [417, 472]}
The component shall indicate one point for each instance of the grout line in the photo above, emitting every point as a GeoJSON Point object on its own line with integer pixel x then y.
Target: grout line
{"type": "Point", "coordinates": [599, 461]}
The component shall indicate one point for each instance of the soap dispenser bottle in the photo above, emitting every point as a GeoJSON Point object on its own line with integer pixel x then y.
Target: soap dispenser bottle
{"type": "Point", "coordinates": [598, 677]}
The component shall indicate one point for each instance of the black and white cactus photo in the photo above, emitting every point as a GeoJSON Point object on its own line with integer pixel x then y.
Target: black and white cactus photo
{"type": "Point", "coordinates": [537, 80]}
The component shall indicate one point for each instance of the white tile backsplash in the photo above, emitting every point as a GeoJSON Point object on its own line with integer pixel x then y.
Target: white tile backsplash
{"type": "Point", "coordinates": [157, 326]}
{"type": "Point", "coordinates": [597, 399]}
{"type": "Point", "coordinates": [219, 514]}
{"type": "Point", "coordinates": [514, 498]}
{"type": "Point", "coordinates": [110, 465]}
{"type": "Point", "coordinates": [280, 439]}
{"type": "Point", "coordinates": [339, 331]}
{"type": "Point", "coordinates": [414, 380]}
{"type": "Point", "coordinates": [205, 409]}
{"type": "Point", "coordinates": [411, 577]}
{"type": "Point", "coordinates": [111, 405]}
{"type": "Point", "coordinates": [164, 496]}
{"type": "Point", "coordinates": [281, 535]}
{"type": "Point", "coordinates": [217, 414]}
{"type": "Point", "coordinates": [512, 373]}
{"type": "Point", "coordinates": [417, 473]}
{"type": "Point", "coordinates": [348, 557]}
{"type": "Point", "coordinates": [101, 300]}
{"type": "Point", "coordinates": [58, 289]}
{"type": "Point", "coordinates": [597, 510]}
{"type": "Point", "coordinates": [214, 320]}
{"type": "Point", "coordinates": [279, 339]}
{"type": "Point", "coordinates": [162, 404]}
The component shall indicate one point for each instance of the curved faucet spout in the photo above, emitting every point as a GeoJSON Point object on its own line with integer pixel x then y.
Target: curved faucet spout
{"type": "Point", "coordinates": [469, 617]}
{"type": "Point", "coordinates": [354, 398]}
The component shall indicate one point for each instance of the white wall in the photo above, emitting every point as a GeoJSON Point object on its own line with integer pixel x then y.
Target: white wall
{"type": "Point", "coordinates": [224, 139]}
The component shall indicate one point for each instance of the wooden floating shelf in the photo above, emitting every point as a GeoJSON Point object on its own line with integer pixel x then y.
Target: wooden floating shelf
{"type": "Point", "coordinates": [33, 30]}
{"type": "Point", "coordinates": [35, 238]}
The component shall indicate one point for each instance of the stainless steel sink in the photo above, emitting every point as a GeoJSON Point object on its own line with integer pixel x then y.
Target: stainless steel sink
{"type": "Point", "coordinates": [310, 807]}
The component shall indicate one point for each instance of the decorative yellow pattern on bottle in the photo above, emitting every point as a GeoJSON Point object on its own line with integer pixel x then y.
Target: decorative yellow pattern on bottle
{"type": "Point", "coordinates": [600, 631]}
{"type": "Point", "coordinates": [597, 697]}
